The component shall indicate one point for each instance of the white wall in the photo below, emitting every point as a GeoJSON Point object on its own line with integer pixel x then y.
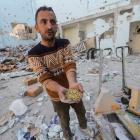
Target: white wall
{"type": "Point", "coordinates": [122, 29]}
{"type": "Point", "coordinates": [69, 10]}
{"type": "Point", "coordinates": [123, 26]}
{"type": "Point", "coordinates": [97, 6]}
{"type": "Point", "coordinates": [72, 35]}
{"type": "Point", "coordinates": [107, 43]}
{"type": "Point", "coordinates": [19, 11]}
{"type": "Point", "coordinates": [101, 26]}
{"type": "Point", "coordinates": [136, 13]}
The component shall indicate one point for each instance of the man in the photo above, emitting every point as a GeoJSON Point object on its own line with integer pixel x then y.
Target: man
{"type": "Point", "coordinates": [56, 69]}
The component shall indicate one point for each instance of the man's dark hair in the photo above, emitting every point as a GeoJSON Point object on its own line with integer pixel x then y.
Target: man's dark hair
{"type": "Point", "coordinates": [43, 8]}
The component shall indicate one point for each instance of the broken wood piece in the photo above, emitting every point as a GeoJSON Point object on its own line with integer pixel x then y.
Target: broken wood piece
{"type": "Point", "coordinates": [105, 128]}
{"type": "Point", "coordinates": [30, 80]}
{"type": "Point", "coordinates": [21, 58]}
{"type": "Point", "coordinates": [120, 130]}
{"type": "Point", "coordinates": [129, 123]}
{"type": "Point", "coordinates": [33, 91]}
{"type": "Point", "coordinates": [4, 68]}
{"type": "Point", "coordinates": [6, 117]}
{"type": "Point", "coordinates": [134, 103]}
{"type": "Point", "coordinates": [136, 112]}
{"type": "Point", "coordinates": [34, 131]}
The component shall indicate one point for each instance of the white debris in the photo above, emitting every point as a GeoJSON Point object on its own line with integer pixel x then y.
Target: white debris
{"type": "Point", "coordinates": [40, 99]}
{"type": "Point", "coordinates": [120, 131]}
{"type": "Point", "coordinates": [39, 120]}
{"type": "Point", "coordinates": [3, 129]}
{"type": "Point", "coordinates": [40, 104]}
{"type": "Point", "coordinates": [10, 124]}
{"type": "Point", "coordinates": [18, 107]}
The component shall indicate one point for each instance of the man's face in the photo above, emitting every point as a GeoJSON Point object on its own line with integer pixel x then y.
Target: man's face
{"type": "Point", "coordinates": [46, 25]}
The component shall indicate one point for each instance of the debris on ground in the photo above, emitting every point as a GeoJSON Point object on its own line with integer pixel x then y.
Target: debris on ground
{"type": "Point", "coordinates": [32, 115]}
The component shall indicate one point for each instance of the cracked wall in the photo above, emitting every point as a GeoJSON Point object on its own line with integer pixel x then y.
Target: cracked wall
{"type": "Point", "coordinates": [71, 10]}
{"type": "Point", "coordinates": [23, 31]}
{"type": "Point", "coordinates": [15, 11]}
{"type": "Point", "coordinates": [123, 26]}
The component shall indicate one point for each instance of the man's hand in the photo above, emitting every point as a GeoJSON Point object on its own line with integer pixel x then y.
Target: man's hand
{"type": "Point", "coordinates": [77, 86]}
{"type": "Point", "coordinates": [73, 84]}
{"type": "Point", "coordinates": [55, 87]}
{"type": "Point", "coordinates": [61, 93]}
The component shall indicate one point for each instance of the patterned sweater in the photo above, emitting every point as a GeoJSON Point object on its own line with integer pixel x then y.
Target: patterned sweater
{"type": "Point", "coordinates": [52, 63]}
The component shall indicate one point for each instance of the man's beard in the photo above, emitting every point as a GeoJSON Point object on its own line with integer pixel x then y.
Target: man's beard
{"type": "Point", "coordinates": [48, 38]}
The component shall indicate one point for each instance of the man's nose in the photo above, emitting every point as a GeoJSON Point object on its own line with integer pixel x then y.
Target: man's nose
{"type": "Point", "coordinates": [49, 25]}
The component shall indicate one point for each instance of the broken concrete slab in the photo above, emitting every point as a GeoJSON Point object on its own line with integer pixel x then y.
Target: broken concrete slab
{"type": "Point", "coordinates": [18, 107]}
{"type": "Point", "coordinates": [9, 125]}
{"type": "Point", "coordinates": [6, 117]}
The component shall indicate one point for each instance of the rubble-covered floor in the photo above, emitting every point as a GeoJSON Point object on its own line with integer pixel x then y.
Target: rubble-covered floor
{"type": "Point", "coordinates": [40, 107]}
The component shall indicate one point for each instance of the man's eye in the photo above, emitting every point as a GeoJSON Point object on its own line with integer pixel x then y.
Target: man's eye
{"type": "Point", "coordinates": [44, 21]}
{"type": "Point", "coordinates": [53, 21]}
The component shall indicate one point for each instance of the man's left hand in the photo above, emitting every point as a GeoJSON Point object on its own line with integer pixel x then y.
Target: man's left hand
{"type": "Point", "coordinates": [77, 86]}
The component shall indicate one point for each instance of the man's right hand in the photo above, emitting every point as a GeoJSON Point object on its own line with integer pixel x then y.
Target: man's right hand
{"type": "Point", "coordinates": [61, 93]}
{"type": "Point", "coordinates": [55, 87]}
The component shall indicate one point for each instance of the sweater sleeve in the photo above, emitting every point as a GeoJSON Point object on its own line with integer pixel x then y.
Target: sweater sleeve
{"type": "Point", "coordinates": [42, 72]}
{"type": "Point", "coordinates": [69, 62]}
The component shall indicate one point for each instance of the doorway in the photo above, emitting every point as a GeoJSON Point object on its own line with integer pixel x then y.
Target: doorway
{"type": "Point", "coordinates": [134, 38]}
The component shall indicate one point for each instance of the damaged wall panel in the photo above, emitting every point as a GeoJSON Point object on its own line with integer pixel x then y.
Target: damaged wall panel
{"type": "Point", "coordinates": [134, 38]}
{"type": "Point", "coordinates": [113, 26]}
{"type": "Point", "coordinates": [104, 5]}
{"type": "Point", "coordinates": [72, 34]}
{"type": "Point", "coordinates": [122, 30]}
{"type": "Point", "coordinates": [104, 29]}
{"type": "Point", "coordinates": [23, 31]}
{"type": "Point", "coordinates": [15, 11]}
{"type": "Point", "coordinates": [71, 10]}
{"type": "Point", "coordinates": [123, 26]}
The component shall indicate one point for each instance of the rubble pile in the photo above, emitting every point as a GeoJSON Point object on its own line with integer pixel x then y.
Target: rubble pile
{"type": "Point", "coordinates": [37, 127]}
{"type": "Point", "coordinates": [12, 59]}
{"type": "Point", "coordinates": [29, 109]}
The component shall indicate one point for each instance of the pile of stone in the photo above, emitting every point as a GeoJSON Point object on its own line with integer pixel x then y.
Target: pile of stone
{"type": "Point", "coordinates": [12, 59]}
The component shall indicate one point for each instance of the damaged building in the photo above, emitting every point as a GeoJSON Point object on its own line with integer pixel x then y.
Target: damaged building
{"type": "Point", "coordinates": [17, 33]}
{"type": "Point", "coordinates": [116, 23]}
{"type": "Point", "coordinates": [111, 84]}
{"type": "Point", "coordinates": [17, 24]}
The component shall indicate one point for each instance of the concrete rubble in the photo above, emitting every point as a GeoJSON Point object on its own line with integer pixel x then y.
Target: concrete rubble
{"type": "Point", "coordinates": [26, 112]}
{"type": "Point", "coordinates": [13, 59]}
{"type": "Point", "coordinates": [31, 116]}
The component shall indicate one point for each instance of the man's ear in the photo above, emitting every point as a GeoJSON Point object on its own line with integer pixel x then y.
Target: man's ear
{"type": "Point", "coordinates": [36, 27]}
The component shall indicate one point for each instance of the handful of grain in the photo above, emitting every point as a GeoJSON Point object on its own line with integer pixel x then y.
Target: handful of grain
{"type": "Point", "coordinates": [73, 94]}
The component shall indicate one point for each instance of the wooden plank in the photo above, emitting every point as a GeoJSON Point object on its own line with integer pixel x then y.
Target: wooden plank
{"type": "Point", "coordinates": [129, 124]}
{"type": "Point", "coordinates": [105, 128]}
{"type": "Point", "coordinates": [134, 112]}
